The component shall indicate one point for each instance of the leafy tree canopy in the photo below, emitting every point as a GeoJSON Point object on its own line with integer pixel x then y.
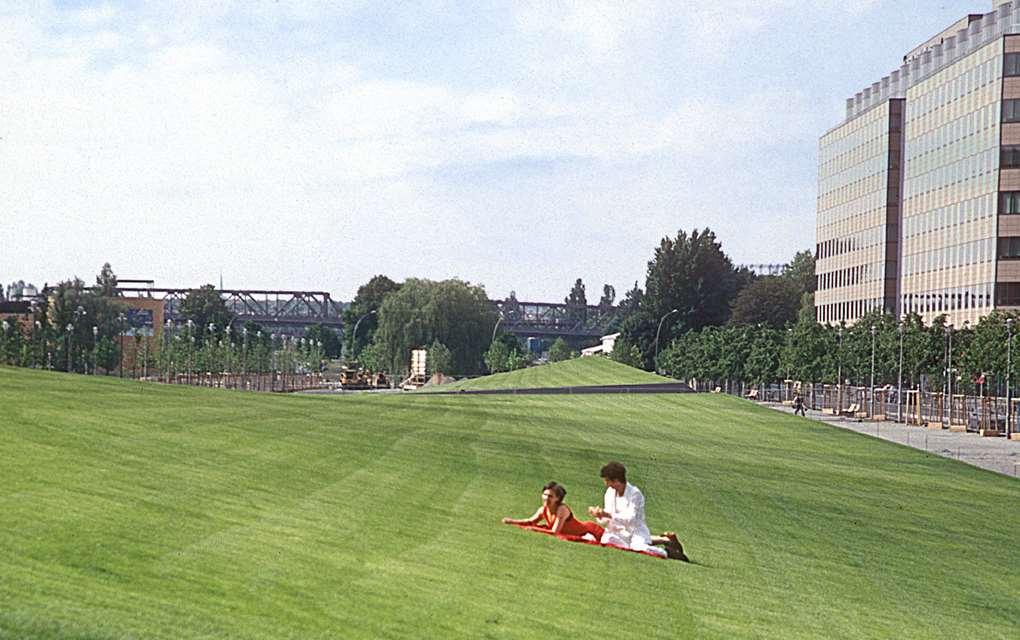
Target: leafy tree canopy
{"type": "Point", "coordinates": [205, 306]}
{"type": "Point", "coordinates": [369, 298]}
{"type": "Point", "coordinates": [560, 351]}
{"type": "Point", "coordinates": [770, 300]}
{"type": "Point", "coordinates": [454, 312]}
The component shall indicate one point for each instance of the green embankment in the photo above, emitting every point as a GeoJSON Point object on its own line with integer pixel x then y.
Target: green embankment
{"type": "Point", "coordinates": [569, 373]}
{"type": "Point", "coordinates": [132, 510]}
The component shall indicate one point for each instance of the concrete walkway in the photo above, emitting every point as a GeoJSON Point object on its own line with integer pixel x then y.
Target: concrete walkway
{"type": "Point", "coordinates": [994, 454]}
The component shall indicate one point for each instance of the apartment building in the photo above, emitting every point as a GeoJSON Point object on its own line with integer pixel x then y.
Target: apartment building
{"type": "Point", "coordinates": [919, 187]}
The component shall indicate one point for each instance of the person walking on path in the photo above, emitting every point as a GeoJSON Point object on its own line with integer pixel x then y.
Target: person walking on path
{"type": "Point", "coordinates": [623, 516]}
{"type": "Point", "coordinates": [798, 405]}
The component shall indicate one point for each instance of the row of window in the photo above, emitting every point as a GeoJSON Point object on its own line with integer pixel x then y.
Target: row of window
{"type": "Point", "coordinates": [979, 70]}
{"type": "Point", "coordinates": [851, 276]}
{"type": "Point", "coordinates": [849, 310]}
{"type": "Point", "coordinates": [979, 169]}
{"type": "Point", "coordinates": [978, 296]}
{"type": "Point", "coordinates": [855, 212]}
{"type": "Point", "coordinates": [861, 240]}
{"type": "Point", "coordinates": [954, 215]}
{"type": "Point", "coordinates": [980, 124]}
{"type": "Point", "coordinates": [948, 257]}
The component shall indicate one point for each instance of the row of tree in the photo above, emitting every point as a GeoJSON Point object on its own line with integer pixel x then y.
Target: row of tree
{"type": "Point", "coordinates": [80, 328]}
{"type": "Point", "coordinates": [977, 357]}
{"type": "Point", "coordinates": [691, 284]}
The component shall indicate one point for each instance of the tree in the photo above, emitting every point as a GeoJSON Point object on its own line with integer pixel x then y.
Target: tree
{"type": "Point", "coordinates": [369, 298]}
{"type": "Point", "coordinates": [579, 301]}
{"type": "Point", "coordinates": [627, 354]}
{"type": "Point", "coordinates": [577, 296]}
{"type": "Point", "coordinates": [454, 312]}
{"type": "Point", "coordinates": [560, 351]}
{"type": "Point", "coordinates": [329, 339]}
{"type": "Point", "coordinates": [608, 295]}
{"type": "Point", "coordinates": [689, 273]}
{"type": "Point", "coordinates": [631, 300]}
{"type": "Point", "coordinates": [439, 358]}
{"type": "Point", "coordinates": [106, 282]}
{"type": "Point", "coordinates": [205, 306]}
{"type": "Point", "coordinates": [770, 300]}
{"type": "Point", "coordinates": [800, 272]}
{"type": "Point", "coordinates": [496, 357]}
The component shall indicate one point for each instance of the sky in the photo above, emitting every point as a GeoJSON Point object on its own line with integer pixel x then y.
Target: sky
{"type": "Point", "coordinates": [518, 145]}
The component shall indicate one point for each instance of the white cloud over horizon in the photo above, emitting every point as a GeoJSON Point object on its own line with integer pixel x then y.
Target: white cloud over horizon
{"type": "Point", "coordinates": [311, 145]}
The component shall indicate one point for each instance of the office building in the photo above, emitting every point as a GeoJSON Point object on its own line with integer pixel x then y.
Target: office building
{"type": "Point", "coordinates": [919, 187]}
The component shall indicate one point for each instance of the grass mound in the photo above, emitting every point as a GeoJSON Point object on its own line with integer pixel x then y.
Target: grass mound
{"type": "Point", "coordinates": [133, 510]}
{"type": "Point", "coordinates": [569, 373]}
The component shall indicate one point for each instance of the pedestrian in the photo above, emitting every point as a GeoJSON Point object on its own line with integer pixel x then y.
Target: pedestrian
{"type": "Point", "coordinates": [798, 405]}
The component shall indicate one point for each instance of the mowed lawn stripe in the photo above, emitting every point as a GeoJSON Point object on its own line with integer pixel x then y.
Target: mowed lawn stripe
{"type": "Point", "coordinates": [149, 511]}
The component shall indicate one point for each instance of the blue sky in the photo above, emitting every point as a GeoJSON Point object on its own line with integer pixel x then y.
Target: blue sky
{"type": "Point", "coordinates": [519, 145]}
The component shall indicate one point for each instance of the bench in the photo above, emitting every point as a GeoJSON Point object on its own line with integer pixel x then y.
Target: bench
{"type": "Point", "coordinates": [752, 394]}
{"type": "Point", "coordinates": [851, 411]}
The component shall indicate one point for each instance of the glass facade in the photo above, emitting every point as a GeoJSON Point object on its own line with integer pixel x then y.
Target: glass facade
{"type": "Point", "coordinates": [952, 153]}
{"type": "Point", "coordinates": [855, 164]}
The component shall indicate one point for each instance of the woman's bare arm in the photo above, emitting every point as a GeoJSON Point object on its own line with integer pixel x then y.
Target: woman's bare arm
{"type": "Point", "coordinates": [532, 520]}
{"type": "Point", "coordinates": [562, 513]}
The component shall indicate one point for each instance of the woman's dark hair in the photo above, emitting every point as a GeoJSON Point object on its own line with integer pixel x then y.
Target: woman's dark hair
{"type": "Point", "coordinates": [614, 471]}
{"type": "Point", "coordinates": [556, 490]}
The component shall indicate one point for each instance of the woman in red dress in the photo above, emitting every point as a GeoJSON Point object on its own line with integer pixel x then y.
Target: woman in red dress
{"type": "Point", "coordinates": [557, 517]}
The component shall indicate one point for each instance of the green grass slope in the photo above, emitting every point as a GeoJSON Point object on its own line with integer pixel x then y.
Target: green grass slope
{"type": "Point", "coordinates": [568, 373]}
{"type": "Point", "coordinates": [133, 510]}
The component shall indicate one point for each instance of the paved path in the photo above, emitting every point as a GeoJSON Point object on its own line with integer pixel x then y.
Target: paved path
{"type": "Point", "coordinates": [995, 454]}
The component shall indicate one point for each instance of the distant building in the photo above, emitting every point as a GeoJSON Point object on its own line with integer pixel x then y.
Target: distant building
{"type": "Point", "coordinates": [919, 187]}
{"type": "Point", "coordinates": [605, 348]}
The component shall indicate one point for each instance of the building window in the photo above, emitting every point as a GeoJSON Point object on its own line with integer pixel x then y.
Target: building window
{"type": "Point", "coordinates": [1009, 248]}
{"type": "Point", "coordinates": [1009, 202]}
{"type": "Point", "coordinates": [1010, 158]}
{"type": "Point", "coordinates": [1007, 294]}
{"type": "Point", "coordinates": [1012, 65]}
{"type": "Point", "coordinates": [1011, 110]}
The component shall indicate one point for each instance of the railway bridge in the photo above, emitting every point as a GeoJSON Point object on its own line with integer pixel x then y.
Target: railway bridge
{"type": "Point", "coordinates": [292, 312]}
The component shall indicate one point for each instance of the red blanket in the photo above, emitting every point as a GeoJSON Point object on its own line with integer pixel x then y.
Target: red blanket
{"type": "Point", "coordinates": [562, 536]}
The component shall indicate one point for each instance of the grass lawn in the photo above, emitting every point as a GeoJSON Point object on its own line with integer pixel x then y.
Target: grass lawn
{"type": "Point", "coordinates": [569, 373]}
{"type": "Point", "coordinates": [132, 510]}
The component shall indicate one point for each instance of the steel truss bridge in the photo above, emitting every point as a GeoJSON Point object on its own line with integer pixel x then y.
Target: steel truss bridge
{"type": "Point", "coordinates": [292, 312]}
{"type": "Point", "coordinates": [550, 319]}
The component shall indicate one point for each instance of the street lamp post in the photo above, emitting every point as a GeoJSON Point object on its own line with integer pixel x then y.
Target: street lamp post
{"type": "Point", "coordinates": [244, 353]}
{"type": "Point", "coordinates": [191, 346]}
{"type": "Point", "coordinates": [95, 349]}
{"type": "Point", "coordinates": [495, 327]}
{"type": "Point", "coordinates": [899, 379]}
{"type": "Point", "coordinates": [78, 314]}
{"type": "Point", "coordinates": [1009, 374]}
{"type": "Point", "coordinates": [948, 404]}
{"type": "Point", "coordinates": [657, 330]}
{"type": "Point", "coordinates": [874, 332]}
{"type": "Point", "coordinates": [5, 326]}
{"type": "Point", "coordinates": [354, 334]}
{"type": "Point", "coordinates": [839, 371]}
{"type": "Point", "coordinates": [40, 339]}
{"type": "Point", "coordinates": [121, 324]}
{"type": "Point", "coordinates": [70, 328]}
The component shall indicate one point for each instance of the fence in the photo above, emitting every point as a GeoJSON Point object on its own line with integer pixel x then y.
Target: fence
{"type": "Point", "coordinates": [988, 415]}
{"type": "Point", "coordinates": [276, 381]}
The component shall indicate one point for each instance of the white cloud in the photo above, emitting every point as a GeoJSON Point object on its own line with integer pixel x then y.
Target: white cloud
{"type": "Point", "coordinates": [154, 125]}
